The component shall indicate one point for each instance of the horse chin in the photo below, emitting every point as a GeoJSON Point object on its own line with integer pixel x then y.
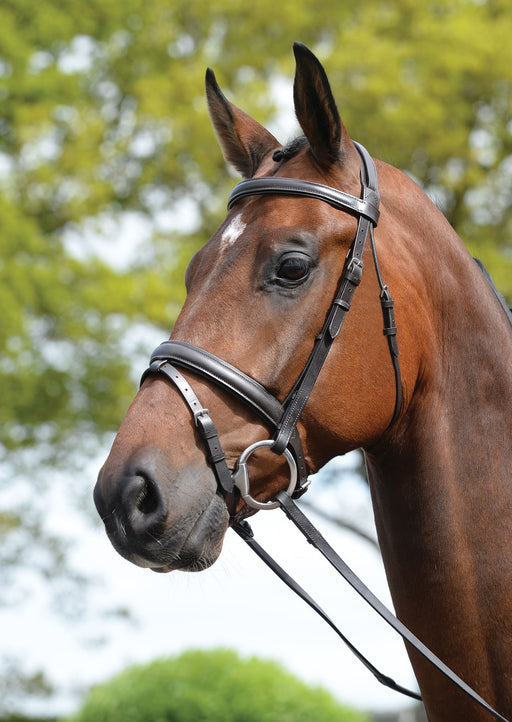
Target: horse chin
{"type": "Point", "coordinates": [203, 544]}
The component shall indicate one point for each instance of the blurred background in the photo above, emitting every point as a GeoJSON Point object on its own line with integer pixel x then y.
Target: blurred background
{"type": "Point", "coordinates": [110, 180]}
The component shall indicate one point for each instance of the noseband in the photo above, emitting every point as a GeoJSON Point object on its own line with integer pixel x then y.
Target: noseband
{"type": "Point", "coordinates": [283, 418]}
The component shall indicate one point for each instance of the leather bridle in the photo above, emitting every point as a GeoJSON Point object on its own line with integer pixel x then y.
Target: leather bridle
{"type": "Point", "coordinates": [283, 417]}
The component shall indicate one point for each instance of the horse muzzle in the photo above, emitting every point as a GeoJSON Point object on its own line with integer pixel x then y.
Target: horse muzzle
{"type": "Point", "coordinates": [154, 529]}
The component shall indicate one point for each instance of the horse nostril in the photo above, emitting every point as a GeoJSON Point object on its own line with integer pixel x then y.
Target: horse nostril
{"type": "Point", "coordinates": [148, 500]}
{"type": "Point", "coordinates": [144, 504]}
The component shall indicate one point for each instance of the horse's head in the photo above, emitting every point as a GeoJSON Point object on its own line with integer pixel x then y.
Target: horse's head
{"type": "Point", "coordinates": [259, 293]}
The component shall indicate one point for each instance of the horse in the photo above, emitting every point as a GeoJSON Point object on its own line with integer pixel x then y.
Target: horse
{"type": "Point", "coordinates": [436, 435]}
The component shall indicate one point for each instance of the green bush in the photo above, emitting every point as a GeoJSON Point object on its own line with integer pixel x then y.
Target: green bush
{"type": "Point", "coordinates": [214, 686]}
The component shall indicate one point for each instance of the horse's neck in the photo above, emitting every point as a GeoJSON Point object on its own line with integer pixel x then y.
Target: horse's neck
{"type": "Point", "coordinates": [442, 492]}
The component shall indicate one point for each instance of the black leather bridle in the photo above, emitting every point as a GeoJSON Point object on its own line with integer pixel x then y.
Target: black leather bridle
{"type": "Point", "coordinates": [283, 418]}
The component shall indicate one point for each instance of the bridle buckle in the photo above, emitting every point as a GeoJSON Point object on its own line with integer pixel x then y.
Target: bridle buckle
{"type": "Point", "coordinates": [197, 415]}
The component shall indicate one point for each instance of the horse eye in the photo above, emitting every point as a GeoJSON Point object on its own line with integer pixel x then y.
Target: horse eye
{"type": "Point", "coordinates": [293, 268]}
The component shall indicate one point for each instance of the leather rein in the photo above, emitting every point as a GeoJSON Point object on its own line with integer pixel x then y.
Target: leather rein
{"type": "Point", "coordinates": [282, 418]}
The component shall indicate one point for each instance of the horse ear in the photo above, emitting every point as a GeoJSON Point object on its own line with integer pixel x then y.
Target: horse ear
{"type": "Point", "coordinates": [244, 141]}
{"type": "Point", "coordinates": [316, 109]}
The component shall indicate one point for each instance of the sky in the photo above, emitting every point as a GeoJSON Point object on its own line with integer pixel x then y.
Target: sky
{"type": "Point", "coordinates": [238, 603]}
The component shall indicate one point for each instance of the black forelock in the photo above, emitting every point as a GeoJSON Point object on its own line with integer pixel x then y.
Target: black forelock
{"type": "Point", "coordinates": [293, 147]}
{"type": "Point", "coordinates": [290, 149]}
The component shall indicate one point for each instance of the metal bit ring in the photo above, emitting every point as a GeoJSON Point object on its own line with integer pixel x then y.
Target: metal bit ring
{"type": "Point", "coordinates": [241, 476]}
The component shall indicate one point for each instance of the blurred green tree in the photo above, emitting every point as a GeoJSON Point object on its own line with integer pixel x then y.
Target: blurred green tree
{"type": "Point", "coordinates": [214, 686]}
{"type": "Point", "coordinates": [104, 123]}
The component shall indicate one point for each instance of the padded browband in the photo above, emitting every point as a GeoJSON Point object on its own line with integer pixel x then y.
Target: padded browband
{"type": "Point", "coordinates": [367, 206]}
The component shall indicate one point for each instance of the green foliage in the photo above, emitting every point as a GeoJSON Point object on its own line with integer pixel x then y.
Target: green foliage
{"type": "Point", "coordinates": [213, 686]}
{"type": "Point", "coordinates": [103, 113]}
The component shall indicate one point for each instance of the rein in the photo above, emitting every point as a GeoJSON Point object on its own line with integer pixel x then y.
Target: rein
{"type": "Point", "coordinates": [282, 418]}
{"type": "Point", "coordinates": [314, 537]}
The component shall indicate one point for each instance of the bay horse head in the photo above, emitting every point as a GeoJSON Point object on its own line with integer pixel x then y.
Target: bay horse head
{"type": "Point", "coordinates": [258, 294]}
{"type": "Point", "coordinates": [267, 376]}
